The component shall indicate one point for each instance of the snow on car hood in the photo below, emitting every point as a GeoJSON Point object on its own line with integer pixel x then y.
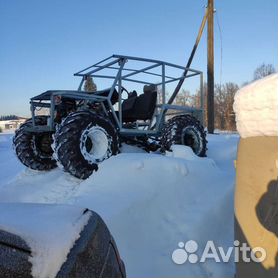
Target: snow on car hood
{"type": "Point", "coordinates": [49, 230]}
{"type": "Point", "coordinates": [256, 108]}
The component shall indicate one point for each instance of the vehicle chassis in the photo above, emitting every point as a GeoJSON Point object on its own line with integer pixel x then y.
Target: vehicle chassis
{"type": "Point", "coordinates": [117, 62]}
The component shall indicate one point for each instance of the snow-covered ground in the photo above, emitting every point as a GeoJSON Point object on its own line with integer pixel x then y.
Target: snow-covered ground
{"type": "Point", "coordinates": [150, 202]}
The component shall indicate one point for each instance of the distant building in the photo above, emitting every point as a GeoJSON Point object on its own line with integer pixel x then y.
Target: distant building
{"type": "Point", "coordinates": [12, 124]}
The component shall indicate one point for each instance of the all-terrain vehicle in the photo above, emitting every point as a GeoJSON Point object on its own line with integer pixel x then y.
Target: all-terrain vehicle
{"type": "Point", "coordinates": [81, 128]}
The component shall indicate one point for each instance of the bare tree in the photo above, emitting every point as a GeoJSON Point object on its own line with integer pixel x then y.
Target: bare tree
{"type": "Point", "coordinates": [223, 104]}
{"type": "Point", "coordinates": [263, 70]}
{"type": "Point", "coordinates": [183, 98]}
{"type": "Point", "coordinates": [224, 99]}
{"type": "Point", "coordinates": [196, 101]}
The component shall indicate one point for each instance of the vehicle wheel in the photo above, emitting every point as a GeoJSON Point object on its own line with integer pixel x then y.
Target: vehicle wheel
{"type": "Point", "coordinates": [34, 149]}
{"type": "Point", "coordinates": [83, 140]}
{"type": "Point", "coordinates": [184, 130]}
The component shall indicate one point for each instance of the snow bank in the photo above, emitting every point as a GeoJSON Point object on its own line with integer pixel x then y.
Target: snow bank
{"type": "Point", "coordinates": [256, 108]}
{"type": "Point", "coordinates": [150, 203]}
{"type": "Point", "coordinates": [49, 230]}
{"type": "Point", "coordinates": [180, 151]}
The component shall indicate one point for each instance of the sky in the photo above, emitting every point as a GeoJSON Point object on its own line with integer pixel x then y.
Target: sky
{"type": "Point", "coordinates": [43, 42]}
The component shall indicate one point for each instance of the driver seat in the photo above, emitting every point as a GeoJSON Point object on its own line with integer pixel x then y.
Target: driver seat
{"type": "Point", "coordinates": [140, 107]}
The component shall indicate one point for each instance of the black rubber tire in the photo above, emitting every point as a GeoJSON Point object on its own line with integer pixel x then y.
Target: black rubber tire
{"type": "Point", "coordinates": [34, 149]}
{"type": "Point", "coordinates": [184, 130]}
{"type": "Point", "coordinates": [68, 143]}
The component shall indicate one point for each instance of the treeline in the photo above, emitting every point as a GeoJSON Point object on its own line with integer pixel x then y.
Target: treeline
{"type": "Point", "coordinates": [8, 117]}
{"type": "Point", "coordinates": [224, 116]}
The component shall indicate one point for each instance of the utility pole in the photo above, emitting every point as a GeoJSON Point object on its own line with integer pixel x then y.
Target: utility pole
{"type": "Point", "coordinates": [210, 67]}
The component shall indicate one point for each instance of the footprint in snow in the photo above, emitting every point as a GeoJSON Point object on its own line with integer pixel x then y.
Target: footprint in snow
{"type": "Point", "coordinates": [138, 165]}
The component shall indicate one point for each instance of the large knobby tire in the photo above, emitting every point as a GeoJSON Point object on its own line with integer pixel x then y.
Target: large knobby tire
{"type": "Point", "coordinates": [34, 149]}
{"type": "Point", "coordinates": [184, 130]}
{"type": "Point", "coordinates": [83, 140]}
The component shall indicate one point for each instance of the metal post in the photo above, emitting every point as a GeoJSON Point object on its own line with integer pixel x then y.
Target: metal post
{"type": "Point", "coordinates": [120, 99]}
{"type": "Point", "coordinates": [81, 84]}
{"type": "Point", "coordinates": [52, 111]}
{"type": "Point", "coordinates": [163, 84]}
{"type": "Point", "coordinates": [210, 67]}
{"type": "Point", "coordinates": [33, 114]}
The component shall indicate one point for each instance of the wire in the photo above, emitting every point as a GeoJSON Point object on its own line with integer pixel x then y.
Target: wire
{"type": "Point", "coordinates": [221, 47]}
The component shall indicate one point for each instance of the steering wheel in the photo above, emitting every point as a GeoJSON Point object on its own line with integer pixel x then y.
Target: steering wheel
{"type": "Point", "coordinates": [127, 92]}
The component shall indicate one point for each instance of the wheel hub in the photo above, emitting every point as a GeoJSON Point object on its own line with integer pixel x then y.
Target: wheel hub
{"type": "Point", "coordinates": [95, 144]}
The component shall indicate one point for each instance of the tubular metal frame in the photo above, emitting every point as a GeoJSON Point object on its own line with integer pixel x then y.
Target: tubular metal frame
{"type": "Point", "coordinates": [118, 62]}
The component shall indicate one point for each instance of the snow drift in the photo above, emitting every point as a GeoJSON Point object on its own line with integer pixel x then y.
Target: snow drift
{"type": "Point", "coordinates": [150, 203]}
